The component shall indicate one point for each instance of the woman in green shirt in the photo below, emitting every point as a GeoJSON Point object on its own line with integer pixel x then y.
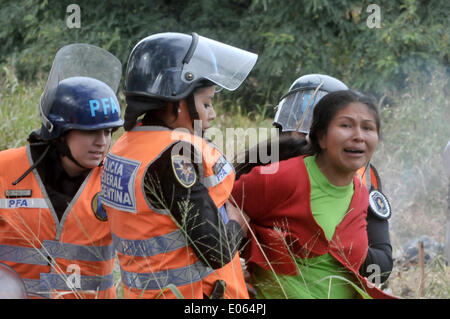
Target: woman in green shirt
{"type": "Point", "coordinates": [308, 220]}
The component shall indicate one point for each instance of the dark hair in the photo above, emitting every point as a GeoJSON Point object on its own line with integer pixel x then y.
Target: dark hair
{"type": "Point", "coordinates": [326, 110]}
{"type": "Point", "coordinates": [151, 107]}
{"type": "Point", "coordinates": [137, 106]}
{"type": "Point", "coordinates": [288, 147]}
{"type": "Point", "coordinates": [191, 100]}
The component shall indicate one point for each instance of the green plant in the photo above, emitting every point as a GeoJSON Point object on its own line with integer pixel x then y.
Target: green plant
{"type": "Point", "coordinates": [291, 37]}
{"type": "Point", "coordinates": [18, 109]}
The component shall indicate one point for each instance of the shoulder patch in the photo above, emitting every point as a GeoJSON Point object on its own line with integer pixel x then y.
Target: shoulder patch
{"type": "Point", "coordinates": [379, 205]}
{"type": "Point", "coordinates": [98, 208]}
{"type": "Point", "coordinates": [183, 170]}
{"type": "Point", "coordinates": [118, 183]}
{"type": "Point", "coordinates": [222, 168]}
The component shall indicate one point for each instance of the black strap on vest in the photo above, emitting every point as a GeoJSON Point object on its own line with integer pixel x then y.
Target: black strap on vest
{"type": "Point", "coordinates": [35, 164]}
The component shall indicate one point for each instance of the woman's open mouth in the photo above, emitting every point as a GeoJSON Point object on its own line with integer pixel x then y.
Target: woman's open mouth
{"type": "Point", "coordinates": [354, 151]}
{"type": "Point", "coordinates": [96, 154]}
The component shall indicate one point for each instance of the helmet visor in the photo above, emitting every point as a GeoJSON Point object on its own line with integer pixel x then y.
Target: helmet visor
{"type": "Point", "coordinates": [79, 60]}
{"type": "Point", "coordinates": [225, 65]}
{"type": "Point", "coordinates": [295, 111]}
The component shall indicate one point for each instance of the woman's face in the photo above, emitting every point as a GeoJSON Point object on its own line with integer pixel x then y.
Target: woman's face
{"type": "Point", "coordinates": [203, 103]}
{"type": "Point", "coordinates": [351, 138]}
{"type": "Point", "coordinates": [87, 147]}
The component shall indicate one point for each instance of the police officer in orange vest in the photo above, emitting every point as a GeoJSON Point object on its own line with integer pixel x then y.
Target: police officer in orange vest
{"type": "Point", "coordinates": [293, 117]}
{"type": "Point", "coordinates": [166, 188]}
{"type": "Point", "coordinates": [53, 229]}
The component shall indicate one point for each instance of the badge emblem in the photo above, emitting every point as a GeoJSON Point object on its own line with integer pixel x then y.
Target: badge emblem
{"type": "Point", "coordinates": [118, 183]}
{"type": "Point", "coordinates": [379, 205]}
{"type": "Point", "coordinates": [184, 170]}
{"type": "Point", "coordinates": [98, 208]}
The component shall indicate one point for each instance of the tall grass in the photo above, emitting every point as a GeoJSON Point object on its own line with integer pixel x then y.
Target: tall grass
{"type": "Point", "coordinates": [416, 129]}
{"type": "Point", "coordinates": [18, 109]}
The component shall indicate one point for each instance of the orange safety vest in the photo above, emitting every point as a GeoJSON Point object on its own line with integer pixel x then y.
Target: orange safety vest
{"type": "Point", "coordinates": [71, 258]}
{"type": "Point", "coordinates": [369, 177]}
{"type": "Point", "coordinates": [152, 250]}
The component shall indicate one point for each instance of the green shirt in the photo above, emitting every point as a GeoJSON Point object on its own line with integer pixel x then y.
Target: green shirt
{"type": "Point", "coordinates": [329, 204]}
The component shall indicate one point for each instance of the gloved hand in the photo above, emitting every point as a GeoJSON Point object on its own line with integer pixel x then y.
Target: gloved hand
{"type": "Point", "coordinates": [218, 290]}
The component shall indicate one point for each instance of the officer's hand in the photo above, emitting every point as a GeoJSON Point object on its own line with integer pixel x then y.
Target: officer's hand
{"type": "Point", "coordinates": [236, 214]}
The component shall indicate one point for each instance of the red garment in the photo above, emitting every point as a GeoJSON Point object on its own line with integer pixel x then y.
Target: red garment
{"type": "Point", "coordinates": [280, 214]}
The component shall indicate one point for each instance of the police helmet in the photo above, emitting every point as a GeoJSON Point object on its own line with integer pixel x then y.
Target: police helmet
{"type": "Point", "coordinates": [80, 103]}
{"type": "Point", "coordinates": [295, 109]}
{"type": "Point", "coordinates": [11, 284]}
{"type": "Point", "coordinates": [80, 92]}
{"type": "Point", "coordinates": [169, 66]}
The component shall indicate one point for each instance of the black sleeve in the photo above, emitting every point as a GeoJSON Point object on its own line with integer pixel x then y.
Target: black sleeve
{"type": "Point", "coordinates": [213, 241]}
{"type": "Point", "coordinates": [380, 250]}
{"type": "Point", "coordinates": [377, 176]}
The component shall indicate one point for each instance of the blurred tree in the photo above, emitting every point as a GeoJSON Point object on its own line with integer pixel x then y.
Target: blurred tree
{"type": "Point", "coordinates": [292, 38]}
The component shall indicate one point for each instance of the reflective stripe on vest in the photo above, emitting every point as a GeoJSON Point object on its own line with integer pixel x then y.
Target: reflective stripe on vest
{"type": "Point", "coordinates": [34, 286]}
{"type": "Point", "coordinates": [158, 280]}
{"type": "Point", "coordinates": [50, 281]}
{"type": "Point", "coordinates": [150, 247]}
{"type": "Point", "coordinates": [55, 249]}
{"type": "Point", "coordinates": [368, 178]}
{"type": "Point", "coordinates": [60, 282]}
{"type": "Point", "coordinates": [13, 203]}
{"type": "Point", "coordinates": [218, 177]}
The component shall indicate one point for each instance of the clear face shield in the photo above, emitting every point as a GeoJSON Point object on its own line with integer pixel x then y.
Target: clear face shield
{"type": "Point", "coordinates": [225, 65]}
{"type": "Point", "coordinates": [295, 110]}
{"type": "Point", "coordinates": [79, 60]}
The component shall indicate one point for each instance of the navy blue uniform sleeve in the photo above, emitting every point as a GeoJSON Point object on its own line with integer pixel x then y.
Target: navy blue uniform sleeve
{"type": "Point", "coordinates": [213, 241]}
{"type": "Point", "coordinates": [380, 249]}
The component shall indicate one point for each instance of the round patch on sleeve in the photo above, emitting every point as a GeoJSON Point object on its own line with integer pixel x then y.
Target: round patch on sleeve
{"type": "Point", "coordinates": [184, 171]}
{"type": "Point", "coordinates": [379, 205]}
{"type": "Point", "coordinates": [98, 208]}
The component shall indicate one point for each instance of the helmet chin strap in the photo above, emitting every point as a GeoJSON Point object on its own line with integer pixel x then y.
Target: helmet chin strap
{"type": "Point", "coordinates": [75, 161]}
{"type": "Point", "coordinates": [63, 149]}
{"type": "Point", "coordinates": [190, 100]}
